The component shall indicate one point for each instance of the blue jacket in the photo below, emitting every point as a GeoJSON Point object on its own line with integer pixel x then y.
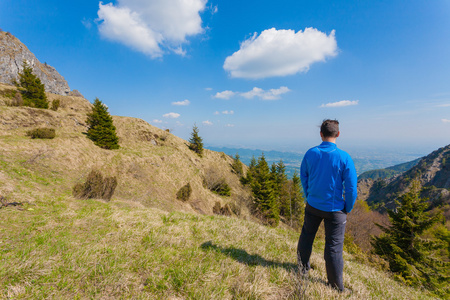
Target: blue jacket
{"type": "Point", "coordinates": [326, 172]}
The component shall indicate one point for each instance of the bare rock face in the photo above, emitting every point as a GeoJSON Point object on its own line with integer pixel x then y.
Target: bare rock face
{"type": "Point", "coordinates": [12, 54]}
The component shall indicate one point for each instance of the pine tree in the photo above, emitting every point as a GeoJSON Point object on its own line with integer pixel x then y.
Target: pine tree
{"type": "Point", "coordinates": [101, 128]}
{"type": "Point", "coordinates": [414, 258]}
{"type": "Point", "coordinates": [297, 201]}
{"type": "Point", "coordinates": [250, 173]}
{"type": "Point", "coordinates": [263, 192]}
{"type": "Point", "coordinates": [34, 93]}
{"type": "Point", "coordinates": [196, 142]}
{"type": "Point", "coordinates": [237, 166]}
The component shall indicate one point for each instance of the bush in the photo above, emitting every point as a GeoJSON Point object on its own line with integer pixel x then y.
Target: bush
{"type": "Point", "coordinates": [55, 104]}
{"type": "Point", "coordinates": [184, 193]}
{"type": "Point", "coordinates": [222, 210]}
{"type": "Point", "coordinates": [214, 181]}
{"type": "Point", "coordinates": [42, 133]}
{"type": "Point", "coordinates": [96, 187]}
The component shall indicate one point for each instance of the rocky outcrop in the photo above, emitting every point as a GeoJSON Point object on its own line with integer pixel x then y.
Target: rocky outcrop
{"type": "Point", "coordinates": [12, 54]}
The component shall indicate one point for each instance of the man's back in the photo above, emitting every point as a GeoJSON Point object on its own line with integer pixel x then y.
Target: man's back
{"type": "Point", "coordinates": [325, 172]}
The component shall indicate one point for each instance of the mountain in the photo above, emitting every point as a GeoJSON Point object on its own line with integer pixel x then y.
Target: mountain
{"type": "Point", "coordinates": [151, 165]}
{"type": "Point", "coordinates": [388, 172]}
{"type": "Point", "coordinates": [432, 172]}
{"type": "Point", "coordinates": [12, 55]}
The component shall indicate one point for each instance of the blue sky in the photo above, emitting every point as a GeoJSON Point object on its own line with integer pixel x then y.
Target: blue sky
{"type": "Point", "coordinates": [258, 74]}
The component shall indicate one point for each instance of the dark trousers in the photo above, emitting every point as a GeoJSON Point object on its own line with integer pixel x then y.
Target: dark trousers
{"type": "Point", "coordinates": [334, 242]}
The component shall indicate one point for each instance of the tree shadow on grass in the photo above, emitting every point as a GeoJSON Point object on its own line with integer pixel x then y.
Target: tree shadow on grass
{"type": "Point", "coordinates": [248, 259]}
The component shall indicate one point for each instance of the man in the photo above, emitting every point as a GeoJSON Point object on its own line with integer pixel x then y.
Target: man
{"type": "Point", "coordinates": [329, 181]}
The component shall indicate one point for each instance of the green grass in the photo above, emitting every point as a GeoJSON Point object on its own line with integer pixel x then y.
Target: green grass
{"type": "Point", "coordinates": [64, 248]}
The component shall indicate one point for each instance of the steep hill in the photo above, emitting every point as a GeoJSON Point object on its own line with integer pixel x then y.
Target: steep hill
{"type": "Point", "coordinates": [432, 171]}
{"type": "Point", "coordinates": [151, 165]}
{"type": "Point", "coordinates": [12, 55]}
{"type": "Point", "coordinates": [388, 172]}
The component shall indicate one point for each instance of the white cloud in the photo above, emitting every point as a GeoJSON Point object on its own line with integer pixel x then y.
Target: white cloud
{"type": "Point", "coordinates": [341, 103]}
{"type": "Point", "coordinates": [228, 112]}
{"type": "Point", "coordinates": [224, 95]}
{"type": "Point", "coordinates": [280, 53]}
{"type": "Point", "coordinates": [444, 105]}
{"type": "Point", "coordinates": [217, 113]}
{"type": "Point", "coordinates": [272, 94]}
{"type": "Point", "coordinates": [171, 115]}
{"type": "Point", "coordinates": [157, 121]}
{"type": "Point", "coordinates": [208, 89]}
{"type": "Point", "coordinates": [446, 120]}
{"type": "Point", "coordinates": [182, 103]}
{"type": "Point", "coordinates": [207, 123]}
{"type": "Point", "coordinates": [150, 25]}
{"type": "Point", "coordinates": [229, 125]}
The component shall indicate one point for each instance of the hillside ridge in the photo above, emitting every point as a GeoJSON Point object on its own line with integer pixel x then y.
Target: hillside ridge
{"type": "Point", "coordinates": [151, 165]}
{"type": "Point", "coordinates": [431, 171]}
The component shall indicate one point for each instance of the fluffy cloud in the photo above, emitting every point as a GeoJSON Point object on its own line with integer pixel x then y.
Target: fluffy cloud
{"type": "Point", "coordinates": [280, 53]}
{"type": "Point", "coordinates": [171, 115]}
{"type": "Point", "coordinates": [157, 121]}
{"type": "Point", "coordinates": [182, 103]}
{"type": "Point", "coordinates": [150, 25]}
{"type": "Point", "coordinates": [341, 103]}
{"type": "Point", "coordinates": [207, 123]}
{"type": "Point", "coordinates": [224, 95]}
{"type": "Point", "coordinates": [272, 94]}
{"type": "Point", "coordinates": [446, 120]}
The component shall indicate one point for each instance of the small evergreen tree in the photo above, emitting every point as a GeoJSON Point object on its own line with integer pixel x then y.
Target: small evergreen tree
{"type": "Point", "coordinates": [196, 142]}
{"type": "Point", "coordinates": [101, 128]}
{"type": "Point", "coordinates": [34, 93]}
{"type": "Point", "coordinates": [297, 201]}
{"type": "Point", "coordinates": [263, 192]}
{"type": "Point", "coordinates": [237, 166]}
{"type": "Point", "coordinates": [414, 258]}
{"type": "Point", "coordinates": [250, 173]}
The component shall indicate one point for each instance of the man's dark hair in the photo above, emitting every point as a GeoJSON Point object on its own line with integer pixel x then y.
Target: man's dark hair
{"type": "Point", "coordinates": [329, 128]}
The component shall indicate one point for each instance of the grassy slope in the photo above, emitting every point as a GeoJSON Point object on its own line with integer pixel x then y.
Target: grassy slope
{"type": "Point", "coordinates": [62, 248]}
{"type": "Point", "coordinates": [54, 246]}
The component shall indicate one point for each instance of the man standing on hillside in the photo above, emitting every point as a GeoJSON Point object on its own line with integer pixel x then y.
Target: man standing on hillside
{"type": "Point", "coordinates": [329, 181]}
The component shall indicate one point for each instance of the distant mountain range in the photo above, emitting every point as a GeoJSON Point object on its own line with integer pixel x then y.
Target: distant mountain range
{"type": "Point", "coordinates": [363, 161]}
{"type": "Point", "coordinates": [389, 171]}
{"type": "Point", "coordinates": [431, 171]}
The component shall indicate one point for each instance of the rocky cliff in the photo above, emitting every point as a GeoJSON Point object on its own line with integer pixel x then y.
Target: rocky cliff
{"type": "Point", "coordinates": [12, 54]}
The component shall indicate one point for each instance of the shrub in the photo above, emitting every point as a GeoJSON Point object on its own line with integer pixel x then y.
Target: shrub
{"type": "Point", "coordinates": [96, 186]}
{"type": "Point", "coordinates": [184, 193]}
{"type": "Point", "coordinates": [42, 133]}
{"type": "Point", "coordinates": [16, 98]}
{"type": "Point", "coordinates": [214, 181]}
{"type": "Point", "coordinates": [222, 210]}
{"type": "Point", "coordinates": [101, 128]}
{"type": "Point", "coordinates": [55, 104]}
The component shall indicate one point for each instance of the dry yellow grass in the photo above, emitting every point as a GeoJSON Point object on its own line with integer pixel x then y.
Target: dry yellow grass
{"type": "Point", "coordinates": [151, 165]}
